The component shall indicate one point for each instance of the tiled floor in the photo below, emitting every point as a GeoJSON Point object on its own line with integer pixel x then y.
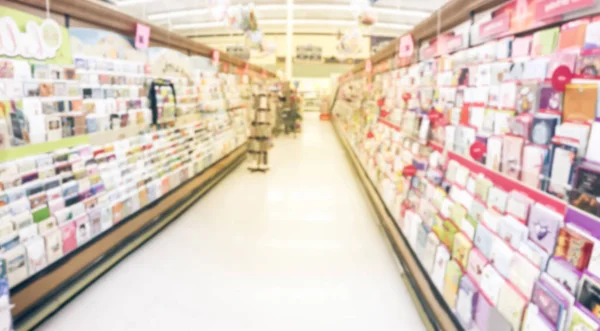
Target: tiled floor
{"type": "Point", "coordinates": [294, 249]}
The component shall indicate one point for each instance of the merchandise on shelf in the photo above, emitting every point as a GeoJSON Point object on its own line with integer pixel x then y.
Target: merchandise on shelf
{"type": "Point", "coordinates": [502, 212]}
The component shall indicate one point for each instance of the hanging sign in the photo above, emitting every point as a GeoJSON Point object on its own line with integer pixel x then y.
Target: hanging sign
{"type": "Point", "coordinates": [142, 36]}
{"type": "Point", "coordinates": [561, 77]}
{"type": "Point", "coordinates": [551, 8]}
{"type": "Point", "coordinates": [477, 150]}
{"type": "Point", "coordinates": [406, 46]}
{"type": "Point", "coordinates": [30, 37]}
{"type": "Point", "coordinates": [498, 25]}
{"type": "Point", "coordinates": [368, 66]}
{"type": "Point", "coordinates": [215, 57]}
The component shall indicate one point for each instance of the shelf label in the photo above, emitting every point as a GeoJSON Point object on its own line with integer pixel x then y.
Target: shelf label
{"type": "Point", "coordinates": [499, 24]}
{"type": "Point", "coordinates": [551, 8]}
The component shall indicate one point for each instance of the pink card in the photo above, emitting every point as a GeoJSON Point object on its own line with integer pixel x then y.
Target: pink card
{"type": "Point", "coordinates": [142, 36]}
{"type": "Point", "coordinates": [68, 236]}
{"type": "Point", "coordinates": [521, 47]}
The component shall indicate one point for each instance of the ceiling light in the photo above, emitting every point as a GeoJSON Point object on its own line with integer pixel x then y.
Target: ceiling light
{"type": "Point", "coordinates": [296, 22]}
{"type": "Point", "coordinates": [271, 8]}
{"type": "Point", "coordinates": [198, 25]}
{"type": "Point", "coordinates": [126, 3]}
{"type": "Point", "coordinates": [180, 13]}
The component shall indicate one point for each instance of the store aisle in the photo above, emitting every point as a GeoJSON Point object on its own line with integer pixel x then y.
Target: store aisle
{"type": "Point", "coordinates": [294, 249]}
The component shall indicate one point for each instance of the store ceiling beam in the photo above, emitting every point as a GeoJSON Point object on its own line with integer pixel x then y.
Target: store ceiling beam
{"type": "Point", "coordinates": [106, 17]}
{"type": "Point", "coordinates": [452, 14]}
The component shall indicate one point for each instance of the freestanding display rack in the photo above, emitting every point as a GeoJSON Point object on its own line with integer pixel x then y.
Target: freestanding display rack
{"type": "Point", "coordinates": [259, 138]}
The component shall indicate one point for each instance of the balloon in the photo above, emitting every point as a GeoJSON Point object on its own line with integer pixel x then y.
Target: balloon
{"type": "Point", "coordinates": [477, 150]}
{"type": "Point", "coordinates": [218, 9]}
{"type": "Point", "coordinates": [561, 77]}
{"type": "Point", "coordinates": [409, 170]}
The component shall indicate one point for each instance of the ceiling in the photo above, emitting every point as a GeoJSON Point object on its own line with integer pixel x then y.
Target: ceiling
{"type": "Point", "coordinates": [193, 18]}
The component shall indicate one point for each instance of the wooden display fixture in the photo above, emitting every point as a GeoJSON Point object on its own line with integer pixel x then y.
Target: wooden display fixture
{"type": "Point", "coordinates": [42, 294]}
{"type": "Point", "coordinates": [439, 315]}
{"type": "Point", "coordinates": [95, 14]}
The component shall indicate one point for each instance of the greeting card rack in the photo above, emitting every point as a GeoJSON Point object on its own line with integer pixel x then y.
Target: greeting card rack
{"type": "Point", "coordinates": [84, 178]}
{"type": "Point", "coordinates": [479, 151]}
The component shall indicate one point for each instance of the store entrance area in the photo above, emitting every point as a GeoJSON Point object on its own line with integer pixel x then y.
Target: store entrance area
{"type": "Point", "coordinates": [297, 248]}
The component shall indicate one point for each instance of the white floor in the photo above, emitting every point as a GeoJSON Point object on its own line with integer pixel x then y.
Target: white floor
{"type": "Point", "coordinates": [294, 249]}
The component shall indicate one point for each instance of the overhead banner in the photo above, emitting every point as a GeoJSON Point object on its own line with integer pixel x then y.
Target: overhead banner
{"type": "Point", "coordinates": [104, 44]}
{"type": "Point", "coordinates": [28, 37]}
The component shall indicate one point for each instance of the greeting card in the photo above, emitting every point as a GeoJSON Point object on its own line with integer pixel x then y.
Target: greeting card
{"type": "Point", "coordinates": [521, 47]}
{"type": "Point", "coordinates": [53, 245]}
{"type": "Point", "coordinates": [586, 188]}
{"type": "Point", "coordinates": [544, 224]}
{"type": "Point", "coordinates": [582, 319]}
{"type": "Point", "coordinates": [561, 168]}
{"type": "Point", "coordinates": [69, 236]}
{"type": "Point", "coordinates": [501, 256]}
{"type": "Point", "coordinates": [512, 152]}
{"type": "Point", "coordinates": [580, 102]}
{"type": "Point", "coordinates": [545, 42]}
{"type": "Point", "coordinates": [552, 304]}
{"type": "Point", "coordinates": [567, 59]}
{"type": "Point", "coordinates": [461, 248]}
{"type": "Point", "coordinates": [497, 199]}
{"type": "Point", "coordinates": [579, 132]}
{"type": "Point", "coordinates": [535, 321]}
{"type": "Point", "coordinates": [511, 304]}
{"type": "Point", "coordinates": [543, 128]}
{"type": "Point", "coordinates": [523, 274]}
{"type": "Point", "coordinates": [484, 240]}
{"type": "Point", "coordinates": [430, 250]}
{"type": "Point", "coordinates": [438, 270]}
{"type": "Point", "coordinates": [494, 153]}
{"type": "Point", "coordinates": [593, 148]}
{"type": "Point", "coordinates": [36, 255]}
{"type": "Point", "coordinates": [564, 273]}
{"type": "Point", "coordinates": [512, 231]}
{"type": "Point", "coordinates": [466, 301]}
{"type": "Point", "coordinates": [592, 36]}
{"type": "Point", "coordinates": [491, 283]}
{"type": "Point", "coordinates": [476, 262]}
{"type": "Point", "coordinates": [588, 294]}
{"type": "Point", "coordinates": [16, 265]}
{"type": "Point", "coordinates": [451, 282]}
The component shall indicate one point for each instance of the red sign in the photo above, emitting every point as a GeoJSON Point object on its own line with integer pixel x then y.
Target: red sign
{"type": "Point", "coordinates": [454, 43]}
{"type": "Point", "coordinates": [522, 16]}
{"type": "Point", "coordinates": [428, 51]}
{"type": "Point", "coordinates": [142, 36]}
{"type": "Point", "coordinates": [215, 57]}
{"type": "Point", "coordinates": [406, 47]}
{"type": "Point", "coordinates": [561, 77]}
{"type": "Point", "coordinates": [477, 150]}
{"type": "Point", "coordinates": [551, 8]}
{"type": "Point", "coordinates": [434, 116]}
{"type": "Point", "coordinates": [368, 65]}
{"type": "Point", "coordinates": [409, 170]}
{"type": "Point", "coordinates": [499, 24]}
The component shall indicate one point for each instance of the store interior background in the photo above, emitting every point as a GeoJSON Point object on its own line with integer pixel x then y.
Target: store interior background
{"type": "Point", "coordinates": [318, 24]}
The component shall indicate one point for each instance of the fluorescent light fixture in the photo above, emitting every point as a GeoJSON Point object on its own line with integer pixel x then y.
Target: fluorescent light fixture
{"type": "Point", "coordinates": [296, 22]}
{"type": "Point", "coordinates": [204, 25]}
{"type": "Point", "coordinates": [179, 13]}
{"type": "Point", "coordinates": [272, 8]}
{"type": "Point", "coordinates": [127, 3]}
